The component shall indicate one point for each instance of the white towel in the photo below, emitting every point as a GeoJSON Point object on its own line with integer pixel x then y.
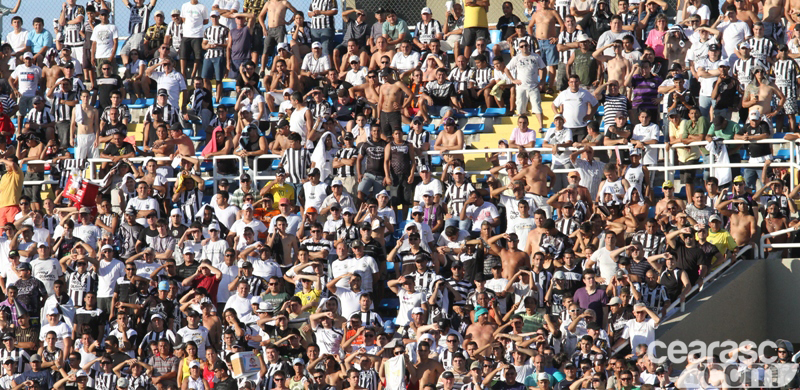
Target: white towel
{"type": "Point", "coordinates": [720, 152]}
{"type": "Point", "coordinates": [395, 373]}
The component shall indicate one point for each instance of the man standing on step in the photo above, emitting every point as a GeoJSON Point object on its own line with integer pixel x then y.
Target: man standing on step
{"type": "Point", "coordinates": [527, 66]}
{"type": "Point", "coordinates": [545, 19]}
{"type": "Point", "coordinates": [276, 32]}
{"type": "Point", "coordinates": [390, 101]}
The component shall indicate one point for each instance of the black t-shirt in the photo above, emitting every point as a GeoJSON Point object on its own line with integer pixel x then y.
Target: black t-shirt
{"type": "Point", "coordinates": [690, 260]}
{"type": "Point", "coordinates": [65, 246]}
{"type": "Point", "coordinates": [177, 231]}
{"type": "Point", "coordinates": [114, 150]}
{"type": "Point", "coordinates": [187, 270]}
{"type": "Point", "coordinates": [228, 384]}
{"type": "Point", "coordinates": [332, 90]}
{"type": "Point", "coordinates": [563, 385]}
{"type": "Point", "coordinates": [373, 154]}
{"type": "Point", "coordinates": [106, 85]}
{"type": "Point", "coordinates": [502, 385]}
{"type": "Point", "coordinates": [147, 236]}
{"type": "Point", "coordinates": [253, 83]}
{"type": "Point", "coordinates": [111, 129]}
{"type": "Point", "coordinates": [728, 94]}
{"type": "Point", "coordinates": [344, 112]}
{"type": "Point", "coordinates": [507, 25]}
{"type": "Point", "coordinates": [757, 150]}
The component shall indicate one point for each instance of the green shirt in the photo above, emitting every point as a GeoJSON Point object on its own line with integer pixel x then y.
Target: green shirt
{"type": "Point", "coordinates": [730, 130]}
{"type": "Point", "coordinates": [394, 31]}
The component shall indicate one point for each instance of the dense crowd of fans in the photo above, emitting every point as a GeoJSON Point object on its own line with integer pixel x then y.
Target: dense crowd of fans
{"type": "Point", "coordinates": [368, 263]}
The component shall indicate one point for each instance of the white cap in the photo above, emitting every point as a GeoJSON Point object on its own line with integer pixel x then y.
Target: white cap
{"type": "Point", "coordinates": [354, 58]}
{"type": "Point", "coordinates": [458, 170]}
{"type": "Point", "coordinates": [106, 246]}
{"type": "Point", "coordinates": [213, 226]}
{"type": "Point", "coordinates": [348, 210]}
{"type": "Point", "coordinates": [27, 55]}
{"type": "Point", "coordinates": [176, 212]}
{"type": "Point", "coordinates": [188, 249]}
{"type": "Point", "coordinates": [382, 193]}
{"type": "Point", "coordinates": [263, 307]}
{"type": "Point", "coordinates": [417, 209]}
{"type": "Point", "coordinates": [427, 193]}
{"type": "Point", "coordinates": [53, 311]}
{"type": "Point", "coordinates": [247, 206]}
{"type": "Point", "coordinates": [214, 13]}
{"type": "Point", "coordinates": [417, 310]}
{"type": "Point", "coordinates": [288, 91]}
{"type": "Point", "coordinates": [754, 115]}
{"type": "Point", "coordinates": [316, 44]}
{"type": "Point", "coordinates": [744, 45]}
{"type": "Point", "coordinates": [195, 363]}
{"type": "Point", "coordinates": [424, 168]}
{"type": "Point", "coordinates": [283, 46]}
{"type": "Point", "coordinates": [256, 300]}
{"type": "Point", "coordinates": [336, 182]}
{"type": "Point", "coordinates": [582, 38]}
{"type": "Point", "coordinates": [541, 377]}
{"type": "Point", "coordinates": [426, 10]}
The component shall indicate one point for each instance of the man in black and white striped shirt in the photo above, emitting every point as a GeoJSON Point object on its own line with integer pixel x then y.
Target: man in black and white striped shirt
{"type": "Point", "coordinates": [461, 75]}
{"type": "Point", "coordinates": [295, 161]}
{"type": "Point", "coordinates": [427, 29]}
{"type": "Point", "coordinates": [71, 20]}
{"type": "Point", "coordinates": [421, 140]}
{"type": "Point", "coordinates": [322, 23]}
{"type": "Point", "coordinates": [346, 157]}
{"type": "Point", "coordinates": [481, 83]}
{"type": "Point", "coordinates": [174, 34]}
{"type": "Point", "coordinates": [64, 100]}
{"type": "Point", "coordinates": [566, 44]}
{"type": "Point", "coordinates": [137, 25]}
{"type": "Point", "coordinates": [39, 120]}
{"type": "Point", "coordinates": [215, 42]}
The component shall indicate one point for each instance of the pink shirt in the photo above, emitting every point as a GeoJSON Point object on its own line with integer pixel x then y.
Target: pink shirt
{"type": "Point", "coordinates": [520, 138]}
{"type": "Point", "coordinates": [655, 39]}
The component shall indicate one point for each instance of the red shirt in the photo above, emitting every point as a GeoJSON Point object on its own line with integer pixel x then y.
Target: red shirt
{"type": "Point", "coordinates": [210, 283]}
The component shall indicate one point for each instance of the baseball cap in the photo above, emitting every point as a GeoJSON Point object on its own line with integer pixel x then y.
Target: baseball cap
{"type": "Point", "coordinates": [714, 217]}
{"type": "Point", "coordinates": [13, 253]}
{"type": "Point", "coordinates": [559, 275]}
{"type": "Point", "coordinates": [336, 182]}
{"type": "Point", "coordinates": [456, 171]}
{"type": "Point", "coordinates": [353, 59]}
{"type": "Point", "coordinates": [194, 363]}
{"type": "Point", "coordinates": [297, 361]}
{"type": "Point", "coordinates": [382, 193]}
{"type": "Point", "coordinates": [480, 312]}
{"type": "Point", "coordinates": [417, 209]}
{"type": "Point", "coordinates": [418, 119]}
{"type": "Point", "coordinates": [417, 310]}
{"type": "Point", "coordinates": [175, 12]}
{"type": "Point", "coordinates": [311, 210]}
{"type": "Point", "coordinates": [614, 301]}
{"type": "Point", "coordinates": [558, 116]}
{"type": "Point", "coordinates": [163, 285]}
{"type": "Point", "coordinates": [744, 45]}
{"type": "Point", "coordinates": [316, 45]}
{"type": "Point", "coordinates": [667, 184]}
{"type": "Point", "coordinates": [247, 264]}
{"type": "Point", "coordinates": [214, 13]}
{"type": "Point", "coordinates": [174, 212]}
{"type": "Point", "coordinates": [27, 55]}
{"type": "Point", "coordinates": [348, 210]}
{"type": "Point", "coordinates": [377, 224]}
{"type": "Point", "coordinates": [573, 173]}
{"type": "Point", "coordinates": [713, 47]}
{"type": "Point", "coordinates": [754, 115]}
{"type": "Point", "coordinates": [23, 267]}
{"type": "Point", "coordinates": [738, 179]}
{"type": "Point", "coordinates": [122, 382]}
{"type": "Point", "coordinates": [426, 10]}
{"type": "Point", "coordinates": [36, 358]}
{"type": "Point", "coordinates": [85, 210]}
{"type": "Point", "coordinates": [156, 315]}
{"type": "Point", "coordinates": [53, 311]}
{"type": "Point", "coordinates": [188, 250]}
{"type": "Point", "coordinates": [424, 168]}
{"type": "Point", "coordinates": [213, 226]}
{"type": "Point", "coordinates": [159, 12]}
{"type": "Point", "coordinates": [104, 12]}
{"type": "Point", "coordinates": [448, 375]}
{"type": "Point", "coordinates": [244, 177]}
{"type": "Point", "coordinates": [283, 46]}
{"type": "Point", "coordinates": [543, 377]}
{"type": "Point", "coordinates": [673, 112]}
{"type": "Point", "coordinates": [163, 92]}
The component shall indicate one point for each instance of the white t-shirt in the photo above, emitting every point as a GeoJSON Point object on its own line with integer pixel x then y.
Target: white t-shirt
{"type": "Point", "coordinates": [266, 268]}
{"type": "Point", "coordinates": [315, 65]}
{"type": "Point", "coordinates": [315, 194]}
{"type": "Point", "coordinates": [109, 272]}
{"type": "Point", "coordinates": [365, 266]}
{"type": "Point", "coordinates": [214, 251]}
{"type": "Point", "coordinates": [408, 301]}
{"type": "Point", "coordinates": [257, 226]}
{"type": "Point", "coordinates": [104, 36]}
{"type": "Point", "coordinates": [27, 78]}
{"type": "Point", "coordinates": [707, 83]}
{"type": "Point", "coordinates": [194, 17]}
{"type": "Point", "coordinates": [241, 305]}
{"type": "Point", "coordinates": [328, 340]}
{"type": "Point", "coordinates": [403, 62]}
{"type": "Point", "coordinates": [18, 41]}
{"type": "Point", "coordinates": [199, 336]}
{"type": "Point", "coordinates": [640, 332]}
{"type": "Point", "coordinates": [644, 134]}
{"type": "Point", "coordinates": [732, 35]}
{"type": "Point", "coordinates": [356, 77]}
{"type": "Point", "coordinates": [349, 300]}
{"type": "Point", "coordinates": [526, 69]}
{"type": "Point", "coordinates": [703, 12]}
{"type": "Point", "coordinates": [292, 223]}
{"type": "Point", "coordinates": [173, 82]}
{"type": "Point", "coordinates": [226, 5]}
{"type": "Point", "coordinates": [606, 265]}
{"type": "Point", "coordinates": [48, 271]}
{"type": "Point", "coordinates": [486, 212]}
{"type": "Point", "coordinates": [435, 185]}
{"type": "Point", "coordinates": [255, 106]}
{"type": "Point", "coordinates": [521, 226]}
{"type": "Point", "coordinates": [141, 205]}
{"type": "Point", "coordinates": [227, 216]}
{"type": "Point", "coordinates": [62, 330]}
{"type": "Point", "coordinates": [574, 106]}
{"type": "Point", "coordinates": [555, 137]}
{"type": "Point", "coordinates": [229, 272]}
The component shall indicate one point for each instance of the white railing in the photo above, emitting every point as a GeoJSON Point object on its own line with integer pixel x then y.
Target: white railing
{"type": "Point", "coordinates": [763, 243]}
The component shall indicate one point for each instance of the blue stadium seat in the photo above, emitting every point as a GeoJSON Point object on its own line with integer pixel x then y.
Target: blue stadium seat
{"type": "Point", "coordinates": [473, 128]}
{"type": "Point", "coordinates": [493, 112]}
{"type": "Point", "coordinates": [496, 35]}
{"type": "Point", "coordinates": [389, 304]}
{"type": "Point", "coordinates": [468, 113]}
{"type": "Point", "coordinates": [436, 160]}
{"type": "Point", "coordinates": [138, 104]}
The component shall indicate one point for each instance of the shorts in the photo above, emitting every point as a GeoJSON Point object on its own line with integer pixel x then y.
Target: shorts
{"type": "Point", "coordinates": [449, 43]}
{"type": "Point", "coordinates": [258, 44]}
{"type": "Point", "coordinates": [471, 34]}
{"type": "Point", "coordinates": [390, 121]}
{"type": "Point", "coordinates": [549, 52]}
{"type": "Point", "coordinates": [272, 38]}
{"type": "Point", "coordinates": [33, 190]}
{"type": "Point", "coordinates": [213, 68]}
{"type": "Point", "coordinates": [25, 105]}
{"type": "Point", "coordinates": [195, 45]}
{"type": "Point", "coordinates": [442, 110]}
{"type": "Point", "coordinates": [133, 42]}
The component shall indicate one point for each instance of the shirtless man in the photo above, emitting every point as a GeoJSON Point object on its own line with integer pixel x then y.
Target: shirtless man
{"type": "Point", "coordinates": [617, 66]}
{"type": "Point", "coordinates": [743, 224]}
{"type": "Point", "coordinates": [276, 33]}
{"type": "Point", "coordinates": [280, 239]}
{"type": "Point", "coordinates": [669, 195]}
{"type": "Point", "coordinates": [481, 330]}
{"type": "Point", "coordinates": [773, 222]}
{"type": "Point", "coordinates": [535, 175]}
{"type": "Point", "coordinates": [163, 149]}
{"type": "Point", "coordinates": [383, 49]}
{"type": "Point", "coordinates": [390, 102]}
{"type": "Point", "coordinates": [762, 94]}
{"type": "Point", "coordinates": [281, 142]}
{"type": "Point", "coordinates": [51, 73]}
{"type": "Point", "coordinates": [545, 20]}
{"type": "Point", "coordinates": [428, 370]}
{"type": "Point", "coordinates": [369, 90]}
{"type": "Point", "coordinates": [183, 145]}
{"type": "Point", "coordinates": [86, 120]}
{"type": "Point", "coordinates": [452, 138]}
{"type": "Point", "coordinates": [511, 257]}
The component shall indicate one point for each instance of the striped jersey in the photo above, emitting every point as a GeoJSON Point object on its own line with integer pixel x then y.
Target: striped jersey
{"type": "Point", "coordinates": [762, 49]}
{"type": "Point", "coordinates": [564, 38]}
{"type": "Point", "coordinates": [63, 110]}
{"type": "Point", "coordinates": [743, 69]}
{"type": "Point", "coordinates": [456, 195]}
{"type": "Point", "coordinates": [42, 117]}
{"type": "Point", "coordinates": [79, 284]}
{"type": "Point", "coordinates": [427, 31]}
{"type": "Point", "coordinates": [613, 105]}
{"type": "Point", "coordinates": [296, 163]}
{"type": "Point", "coordinates": [175, 30]}
{"type": "Point", "coordinates": [460, 78]}
{"type": "Point", "coordinates": [123, 112]}
{"type": "Point", "coordinates": [654, 244]}
{"type": "Point", "coordinates": [786, 73]}
{"type": "Point", "coordinates": [418, 140]}
{"type": "Point", "coordinates": [216, 35]}
{"type": "Point", "coordinates": [322, 21]}
{"type": "Point", "coordinates": [105, 381]}
{"type": "Point", "coordinates": [72, 32]}
{"type": "Point", "coordinates": [140, 17]}
{"type": "Point", "coordinates": [19, 355]}
{"type": "Point", "coordinates": [346, 170]}
{"type": "Point", "coordinates": [482, 76]}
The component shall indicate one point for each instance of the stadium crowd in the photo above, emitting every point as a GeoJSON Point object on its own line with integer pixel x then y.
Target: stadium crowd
{"type": "Point", "coordinates": [367, 263]}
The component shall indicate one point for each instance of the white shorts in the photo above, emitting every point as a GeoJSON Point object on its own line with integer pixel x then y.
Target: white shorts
{"type": "Point", "coordinates": [84, 146]}
{"type": "Point", "coordinates": [278, 96]}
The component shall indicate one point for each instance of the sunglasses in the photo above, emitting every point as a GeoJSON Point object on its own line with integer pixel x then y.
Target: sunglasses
{"type": "Point", "coordinates": [130, 269]}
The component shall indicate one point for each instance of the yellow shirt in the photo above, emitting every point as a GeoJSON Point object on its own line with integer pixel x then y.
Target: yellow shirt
{"type": "Point", "coordinates": [722, 239]}
{"type": "Point", "coordinates": [475, 16]}
{"type": "Point", "coordinates": [280, 191]}
{"type": "Point", "coordinates": [11, 184]}
{"type": "Point", "coordinates": [308, 297]}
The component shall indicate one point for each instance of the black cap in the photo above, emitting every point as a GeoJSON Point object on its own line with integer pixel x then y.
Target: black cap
{"type": "Point", "coordinates": [244, 177]}
{"type": "Point", "coordinates": [283, 123]}
{"type": "Point", "coordinates": [713, 47]}
{"type": "Point", "coordinates": [676, 66]}
{"type": "Point", "coordinates": [386, 72]}
{"type": "Point", "coordinates": [348, 135]}
{"type": "Point", "coordinates": [448, 375]}
{"type": "Point", "coordinates": [479, 277]}
{"type": "Point", "coordinates": [280, 171]}
{"type": "Point", "coordinates": [357, 243]}
{"type": "Point", "coordinates": [219, 365]}
{"type": "Point", "coordinates": [223, 182]}
{"type": "Point", "coordinates": [422, 257]}
{"type": "Point", "coordinates": [418, 119]}
{"type": "Point", "coordinates": [192, 313]}
{"type": "Point", "coordinates": [380, 10]}
{"type": "Point", "coordinates": [366, 226]}
{"type": "Point", "coordinates": [163, 92]}
{"type": "Point", "coordinates": [104, 12]}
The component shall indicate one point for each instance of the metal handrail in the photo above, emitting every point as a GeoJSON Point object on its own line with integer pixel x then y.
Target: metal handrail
{"type": "Point", "coordinates": [762, 244]}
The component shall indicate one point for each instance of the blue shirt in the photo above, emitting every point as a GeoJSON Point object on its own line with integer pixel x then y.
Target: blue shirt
{"type": "Point", "coordinates": [40, 40]}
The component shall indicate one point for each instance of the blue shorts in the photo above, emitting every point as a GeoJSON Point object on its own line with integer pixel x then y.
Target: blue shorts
{"type": "Point", "coordinates": [213, 68]}
{"type": "Point", "coordinates": [549, 52]}
{"type": "Point", "coordinates": [442, 110]}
